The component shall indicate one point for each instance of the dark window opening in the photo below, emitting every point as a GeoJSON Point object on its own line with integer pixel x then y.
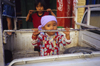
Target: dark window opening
{"type": "Point", "coordinates": [94, 21]}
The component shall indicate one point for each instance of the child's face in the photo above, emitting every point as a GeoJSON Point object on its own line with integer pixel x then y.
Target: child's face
{"type": "Point", "coordinates": [39, 8]}
{"type": "Point", "coordinates": [52, 25]}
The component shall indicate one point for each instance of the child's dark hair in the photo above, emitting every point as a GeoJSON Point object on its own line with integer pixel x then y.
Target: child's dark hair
{"type": "Point", "coordinates": [40, 1]}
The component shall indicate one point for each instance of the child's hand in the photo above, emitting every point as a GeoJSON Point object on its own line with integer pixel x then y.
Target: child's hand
{"type": "Point", "coordinates": [67, 32]}
{"type": "Point", "coordinates": [36, 32]}
{"type": "Point", "coordinates": [30, 11]}
{"type": "Point", "coordinates": [49, 10]}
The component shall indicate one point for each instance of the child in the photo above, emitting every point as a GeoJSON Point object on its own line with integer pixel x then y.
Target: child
{"type": "Point", "coordinates": [49, 42]}
{"type": "Point", "coordinates": [36, 17]}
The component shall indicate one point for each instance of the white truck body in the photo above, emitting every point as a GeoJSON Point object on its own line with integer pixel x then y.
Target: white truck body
{"type": "Point", "coordinates": [21, 45]}
{"type": "Point", "coordinates": [24, 54]}
{"type": "Point", "coordinates": [76, 59]}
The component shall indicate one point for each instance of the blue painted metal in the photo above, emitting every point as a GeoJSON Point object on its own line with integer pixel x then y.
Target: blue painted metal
{"type": "Point", "coordinates": [90, 2]}
{"type": "Point", "coordinates": [93, 1]}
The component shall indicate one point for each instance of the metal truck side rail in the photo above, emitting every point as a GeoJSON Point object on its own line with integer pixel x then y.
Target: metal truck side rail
{"type": "Point", "coordinates": [60, 30]}
{"type": "Point", "coordinates": [55, 58]}
{"type": "Point", "coordinates": [56, 17]}
{"type": "Point", "coordinates": [97, 5]}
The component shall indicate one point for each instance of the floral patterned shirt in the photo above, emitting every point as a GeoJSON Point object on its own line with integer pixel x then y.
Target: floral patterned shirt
{"type": "Point", "coordinates": [50, 45]}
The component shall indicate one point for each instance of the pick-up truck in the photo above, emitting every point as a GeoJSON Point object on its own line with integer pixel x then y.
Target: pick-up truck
{"type": "Point", "coordinates": [84, 49]}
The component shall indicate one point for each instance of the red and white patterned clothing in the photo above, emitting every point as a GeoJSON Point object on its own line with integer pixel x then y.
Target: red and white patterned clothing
{"type": "Point", "coordinates": [50, 45]}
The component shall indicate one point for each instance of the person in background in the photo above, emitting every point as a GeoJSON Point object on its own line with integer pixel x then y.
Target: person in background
{"type": "Point", "coordinates": [36, 17]}
{"type": "Point", "coordinates": [50, 42]}
{"type": "Point", "coordinates": [8, 12]}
